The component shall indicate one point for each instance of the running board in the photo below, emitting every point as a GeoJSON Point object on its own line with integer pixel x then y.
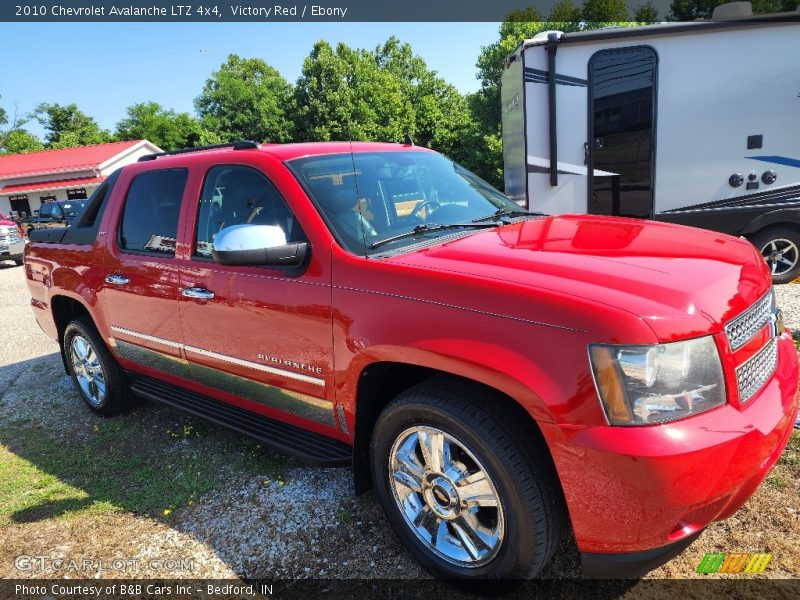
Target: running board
{"type": "Point", "coordinates": [307, 446]}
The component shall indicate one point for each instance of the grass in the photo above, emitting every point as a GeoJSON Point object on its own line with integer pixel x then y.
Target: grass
{"type": "Point", "coordinates": [344, 515]}
{"type": "Point", "coordinates": [149, 466]}
{"type": "Point", "coordinates": [65, 470]}
{"type": "Point", "coordinates": [787, 472]}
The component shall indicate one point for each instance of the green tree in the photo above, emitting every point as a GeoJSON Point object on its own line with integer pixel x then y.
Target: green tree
{"type": "Point", "coordinates": [14, 139]}
{"type": "Point", "coordinates": [689, 10]}
{"type": "Point", "coordinates": [521, 25]}
{"type": "Point", "coordinates": [773, 6]}
{"type": "Point", "coordinates": [603, 11]}
{"type": "Point", "coordinates": [67, 126]}
{"type": "Point", "coordinates": [353, 94]}
{"type": "Point", "coordinates": [343, 94]}
{"type": "Point", "coordinates": [19, 141]}
{"type": "Point", "coordinates": [246, 99]}
{"type": "Point", "coordinates": [646, 13]}
{"type": "Point", "coordinates": [165, 128]}
{"type": "Point", "coordinates": [441, 114]}
{"type": "Point", "coordinates": [567, 13]}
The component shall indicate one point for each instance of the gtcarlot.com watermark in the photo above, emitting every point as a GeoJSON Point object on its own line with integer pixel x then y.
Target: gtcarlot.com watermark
{"type": "Point", "coordinates": [49, 564]}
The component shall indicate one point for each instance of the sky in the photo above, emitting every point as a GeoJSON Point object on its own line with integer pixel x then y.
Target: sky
{"type": "Point", "coordinates": [106, 67]}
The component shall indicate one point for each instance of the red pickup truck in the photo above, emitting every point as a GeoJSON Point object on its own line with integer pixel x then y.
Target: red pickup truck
{"type": "Point", "coordinates": [497, 375]}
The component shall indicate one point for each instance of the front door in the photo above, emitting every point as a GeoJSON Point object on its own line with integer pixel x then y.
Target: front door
{"type": "Point", "coordinates": [622, 84]}
{"type": "Point", "coordinates": [258, 334]}
{"type": "Point", "coordinates": [140, 291]}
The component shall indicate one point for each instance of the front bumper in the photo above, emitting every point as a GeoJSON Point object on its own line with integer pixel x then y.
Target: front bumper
{"type": "Point", "coordinates": [637, 489]}
{"type": "Point", "coordinates": [629, 565]}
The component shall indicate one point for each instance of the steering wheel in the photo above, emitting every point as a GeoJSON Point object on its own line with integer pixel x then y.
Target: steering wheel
{"type": "Point", "coordinates": [432, 204]}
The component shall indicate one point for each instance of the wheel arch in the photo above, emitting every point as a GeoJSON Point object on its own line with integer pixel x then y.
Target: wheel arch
{"type": "Point", "coordinates": [783, 217]}
{"type": "Point", "coordinates": [65, 309]}
{"type": "Point", "coordinates": [380, 382]}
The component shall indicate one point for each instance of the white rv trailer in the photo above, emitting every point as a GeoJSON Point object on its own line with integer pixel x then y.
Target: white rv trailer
{"type": "Point", "coordinates": [694, 123]}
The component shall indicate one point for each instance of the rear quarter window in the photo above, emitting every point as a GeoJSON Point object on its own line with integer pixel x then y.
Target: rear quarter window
{"type": "Point", "coordinates": [50, 211]}
{"type": "Point", "coordinates": [150, 216]}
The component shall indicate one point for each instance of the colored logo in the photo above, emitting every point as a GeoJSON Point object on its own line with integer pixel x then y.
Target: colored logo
{"type": "Point", "coordinates": [735, 562]}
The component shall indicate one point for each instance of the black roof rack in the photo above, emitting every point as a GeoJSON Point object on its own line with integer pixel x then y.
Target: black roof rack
{"type": "Point", "coordinates": [241, 145]}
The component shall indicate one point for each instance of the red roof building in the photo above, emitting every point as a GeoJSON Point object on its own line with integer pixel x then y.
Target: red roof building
{"type": "Point", "coordinates": [29, 180]}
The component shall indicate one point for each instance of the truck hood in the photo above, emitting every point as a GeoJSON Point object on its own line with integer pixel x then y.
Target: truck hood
{"type": "Point", "coordinates": [682, 281]}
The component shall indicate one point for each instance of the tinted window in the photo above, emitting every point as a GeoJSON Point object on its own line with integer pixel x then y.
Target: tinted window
{"type": "Point", "coordinates": [237, 195]}
{"type": "Point", "coordinates": [73, 209]}
{"type": "Point", "coordinates": [50, 211]}
{"type": "Point", "coordinates": [622, 88]}
{"type": "Point", "coordinates": [150, 218]}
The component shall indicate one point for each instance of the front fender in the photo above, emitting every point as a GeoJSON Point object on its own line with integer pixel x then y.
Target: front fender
{"type": "Point", "coordinates": [495, 366]}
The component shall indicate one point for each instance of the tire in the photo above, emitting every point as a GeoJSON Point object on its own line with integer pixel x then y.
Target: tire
{"type": "Point", "coordinates": [780, 247]}
{"type": "Point", "coordinates": [18, 262]}
{"type": "Point", "coordinates": [520, 534]}
{"type": "Point", "coordinates": [98, 377]}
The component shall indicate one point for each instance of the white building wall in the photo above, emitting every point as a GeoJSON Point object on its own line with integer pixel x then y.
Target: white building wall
{"type": "Point", "coordinates": [131, 155]}
{"type": "Point", "coordinates": [34, 198]}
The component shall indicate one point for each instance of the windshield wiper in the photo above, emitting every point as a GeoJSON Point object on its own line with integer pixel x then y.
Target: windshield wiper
{"type": "Point", "coordinates": [506, 212]}
{"type": "Point", "coordinates": [420, 229]}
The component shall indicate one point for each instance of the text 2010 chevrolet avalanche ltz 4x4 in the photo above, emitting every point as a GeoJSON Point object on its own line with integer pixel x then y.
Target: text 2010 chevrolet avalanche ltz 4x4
{"type": "Point", "coordinates": [496, 375]}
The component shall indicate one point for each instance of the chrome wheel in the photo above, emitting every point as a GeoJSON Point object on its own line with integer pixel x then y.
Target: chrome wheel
{"type": "Point", "coordinates": [88, 370]}
{"type": "Point", "coordinates": [781, 255]}
{"type": "Point", "coordinates": [446, 496]}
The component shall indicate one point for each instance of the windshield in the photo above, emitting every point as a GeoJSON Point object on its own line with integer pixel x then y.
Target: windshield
{"type": "Point", "coordinates": [72, 209]}
{"type": "Point", "coordinates": [367, 198]}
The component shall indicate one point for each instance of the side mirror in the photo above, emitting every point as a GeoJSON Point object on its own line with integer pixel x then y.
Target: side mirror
{"type": "Point", "coordinates": [263, 245]}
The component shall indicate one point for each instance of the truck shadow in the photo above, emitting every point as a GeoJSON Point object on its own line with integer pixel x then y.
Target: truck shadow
{"type": "Point", "coordinates": [59, 461]}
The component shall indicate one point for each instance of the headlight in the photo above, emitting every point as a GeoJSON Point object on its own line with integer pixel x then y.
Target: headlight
{"type": "Point", "coordinates": [641, 385]}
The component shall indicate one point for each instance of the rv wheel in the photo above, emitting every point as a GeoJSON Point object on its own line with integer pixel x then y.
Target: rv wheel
{"type": "Point", "coordinates": [780, 247]}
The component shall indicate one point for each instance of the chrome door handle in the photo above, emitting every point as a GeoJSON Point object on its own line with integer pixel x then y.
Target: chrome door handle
{"type": "Point", "coordinates": [197, 293]}
{"type": "Point", "coordinates": [116, 279]}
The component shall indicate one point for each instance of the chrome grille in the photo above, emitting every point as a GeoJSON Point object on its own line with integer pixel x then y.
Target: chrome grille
{"type": "Point", "coordinates": [742, 329]}
{"type": "Point", "coordinates": [753, 374]}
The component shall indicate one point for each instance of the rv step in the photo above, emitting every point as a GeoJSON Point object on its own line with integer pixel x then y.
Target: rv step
{"type": "Point", "coordinates": [309, 447]}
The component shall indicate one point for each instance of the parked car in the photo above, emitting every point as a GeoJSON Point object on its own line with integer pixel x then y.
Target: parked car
{"type": "Point", "coordinates": [12, 243]}
{"type": "Point", "coordinates": [497, 375]}
{"type": "Point", "coordinates": [55, 214]}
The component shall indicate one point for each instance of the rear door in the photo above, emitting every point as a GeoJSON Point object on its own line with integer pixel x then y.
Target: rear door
{"type": "Point", "coordinates": [140, 291]}
{"type": "Point", "coordinates": [622, 88]}
{"type": "Point", "coordinates": [261, 335]}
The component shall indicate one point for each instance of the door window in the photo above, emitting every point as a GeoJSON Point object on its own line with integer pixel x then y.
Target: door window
{"type": "Point", "coordinates": [622, 95]}
{"type": "Point", "coordinates": [19, 204]}
{"type": "Point", "coordinates": [150, 217]}
{"type": "Point", "coordinates": [238, 195]}
{"type": "Point", "coordinates": [50, 211]}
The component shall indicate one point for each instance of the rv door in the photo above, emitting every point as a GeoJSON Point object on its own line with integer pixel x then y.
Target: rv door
{"type": "Point", "coordinates": [621, 144]}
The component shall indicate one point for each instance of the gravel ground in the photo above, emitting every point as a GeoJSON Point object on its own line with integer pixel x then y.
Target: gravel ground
{"type": "Point", "coordinates": [303, 523]}
{"type": "Point", "coordinates": [788, 297]}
